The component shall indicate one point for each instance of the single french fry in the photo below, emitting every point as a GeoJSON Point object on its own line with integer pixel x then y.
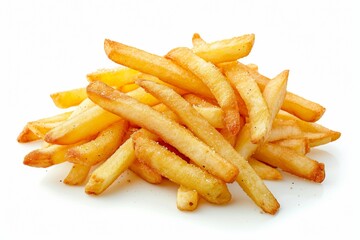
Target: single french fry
{"type": "Point", "coordinates": [216, 82]}
{"type": "Point", "coordinates": [143, 97]}
{"type": "Point", "coordinates": [300, 145]}
{"type": "Point", "coordinates": [317, 139]}
{"type": "Point", "coordinates": [26, 135]}
{"type": "Point", "coordinates": [116, 77]}
{"type": "Point", "coordinates": [83, 126]}
{"type": "Point", "coordinates": [186, 199]}
{"type": "Point", "coordinates": [197, 41]}
{"type": "Point", "coordinates": [47, 156]}
{"type": "Point", "coordinates": [155, 65]}
{"type": "Point", "coordinates": [111, 169]}
{"type": "Point", "coordinates": [128, 87]}
{"type": "Point", "coordinates": [290, 161]}
{"type": "Point", "coordinates": [264, 171]}
{"type": "Point", "coordinates": [247, 178]}
{"type": "Point", "coordinates": [226, 50]}
{"type": "Point", "coordinates": [82, 107]}
{"type": "Point", "coordinates": [179, 171]}
{"type": "Point", "coordinates": [170, 131]}
{"type": "Point", "coordinates": [199, 101]}
{"type": "Point", "coordinates": [69, 98]}
{"type": "Point", "coordinates": [259, 115]}
{"type": "Point", "coordinates": [77, 174]}
{"type": "Point", "coordinates": [145, 172]}
{"type": "Point", "coordinates": [99, 149]}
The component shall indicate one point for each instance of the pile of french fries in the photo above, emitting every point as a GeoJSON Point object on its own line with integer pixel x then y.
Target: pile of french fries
{"type": "Point", "coordinates": [197, 117]}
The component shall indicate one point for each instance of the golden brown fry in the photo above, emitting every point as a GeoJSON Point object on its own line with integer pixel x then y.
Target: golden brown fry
{"type": "Point", "coordinates": [247, 178]}
{"type": "Point", "coordinates": [226, 50]}
{"type": "Point", "coordinates": [264, 171]}
{"type": "Point", "coordinates": [145, 172]}
{"type": "Point", "coordinates": [111, 169]}
{"type": "Point", "coordinates": [259, 115]}
{"type": "Point", "coordinates": [179, 171]}
{"type": "Point", "coordinates": [186, 199]}
{"type": "Point", "coordinates": [69, 98]}
{"type": "Point", "coordinates": [101, 148]}
{"type": "Point", "coordinates": [26, 135]}
{"type": "Point", "coordinates": [47, 156]}
{"type": "Point", "coordinates": [216, 82]}
{"type": "Point", "coordinates": [294, 104]}
{"type": "Point", "coordinates": [77, 174]}
{"type": "Point", "coordinates": [290, 161]}
{"type": "Point", "coordinates": [170, 131]}
{"type": "Point", "coordinates": [116, 77]}
{"type": "Point", "coordinates": [155, 65]}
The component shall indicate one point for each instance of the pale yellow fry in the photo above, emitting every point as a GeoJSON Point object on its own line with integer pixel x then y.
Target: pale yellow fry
{"type": "Point", "coordinates": [216, 82]}
{"type": "Point", "coordinates": [247, 178]}
{"type": "Point", "coordinates": [300, 145]}
{"type": "Point", "coordinates": [83, 126]}
{"type": "Point", "coordinates": [145, 172]}
{"type": "Point", "coordinates": [77, 175]}
{"type": "Point", "coordinates": [116, 77]}
{"type": "Point", "coordinates": [243, 144]}
{"type": "Point", "coordinates": [197, 41]}
{"type": "Point", "coordinates": [128, 87]}
{"type": "Point", "coordinates": [186, 199]}
{"type": "Point", "coordinates": [291, 161]}
{"type": "Point", "coordinates": [226, 50]}
{"type": "Point", "coordinates": [179, 171]}
{"type": "Point", "coordinates": [249, 91]}
{"type": "Point", "coordinates": [294, 104]}
{"type": "Point", "coordinates": [101, 148]}
{"type": "Point", "coordinates": [170, 131]}
{"type": "Point", "coordinates": [111, 169]}
{"type": "Point", "coordinates": [143, 97]}
{"type": "Point", "coordinates": [82, 107]}
{"type": "Point", "coordinates": [69, 98]}
{"type": "Point", "coordinates": [199, 101]}
{"type": "Point", "coordinates": [264, 171]}
{"type": "Point", "coordinates": [155, 65]}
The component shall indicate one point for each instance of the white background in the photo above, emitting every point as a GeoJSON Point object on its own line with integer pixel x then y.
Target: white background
{"type": "Point", "coordinates": [49, 46]}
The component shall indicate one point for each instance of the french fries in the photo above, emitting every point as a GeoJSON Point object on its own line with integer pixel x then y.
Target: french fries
{"type": "Point", "coordinates": [198, 118]}
{"type": "Point", "coordinates": [179, 171]}
{"type": "Point", "coordinates": [217, 83]}
{"type": "Point", "coordinates": [247, 178]}
{"type": "Point", "coordinates": [132, 110]}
